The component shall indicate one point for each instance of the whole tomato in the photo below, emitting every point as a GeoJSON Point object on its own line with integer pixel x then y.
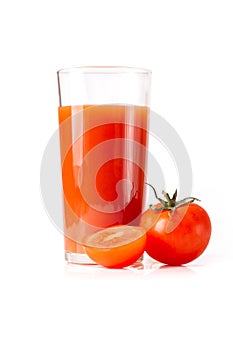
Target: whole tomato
{"type": "Point", "coordinates": [177, 231]}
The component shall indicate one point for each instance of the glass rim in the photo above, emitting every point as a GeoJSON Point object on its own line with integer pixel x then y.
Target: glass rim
{"type": "Point", "coordinates": [104, 70]}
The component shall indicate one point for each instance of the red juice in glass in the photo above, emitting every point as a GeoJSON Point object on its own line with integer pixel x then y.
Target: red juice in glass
{"type": "Point", "coordinates": [103, 160]}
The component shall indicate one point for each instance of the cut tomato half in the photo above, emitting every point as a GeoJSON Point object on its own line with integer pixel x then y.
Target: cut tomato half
{"type": "Point", "coordinates": [117, 246]}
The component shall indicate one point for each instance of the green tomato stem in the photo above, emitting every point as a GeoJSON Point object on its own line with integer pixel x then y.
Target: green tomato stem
{"type": "Point", "coordinates": [170, 204]}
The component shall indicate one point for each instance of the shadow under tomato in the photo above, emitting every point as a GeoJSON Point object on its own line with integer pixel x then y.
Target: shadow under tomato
{"type": "Point", "coordinates": [181, 269]}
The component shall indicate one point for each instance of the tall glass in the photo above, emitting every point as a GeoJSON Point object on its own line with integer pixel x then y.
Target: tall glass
{"type": "Point", "coordinates": [103, 121]}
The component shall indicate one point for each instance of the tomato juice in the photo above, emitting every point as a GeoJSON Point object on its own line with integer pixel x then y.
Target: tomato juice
{"type": "Point", "coordinates": [103, 157]}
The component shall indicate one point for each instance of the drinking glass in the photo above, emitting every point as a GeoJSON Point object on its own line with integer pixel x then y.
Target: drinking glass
{"type": "Point", "coordinates": [103, 124]}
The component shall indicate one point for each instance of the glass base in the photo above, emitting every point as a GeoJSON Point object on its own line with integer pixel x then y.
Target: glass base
{"type": "Point", "coordinates": [83, 259]}
{"type": "Point", "coordinates": [76, 258]}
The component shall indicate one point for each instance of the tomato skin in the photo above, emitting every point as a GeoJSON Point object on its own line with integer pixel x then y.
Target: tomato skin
{"type": "Point", "coordinates": [179, 238]}
{"type": "Point", "coordinates": [119, 256]}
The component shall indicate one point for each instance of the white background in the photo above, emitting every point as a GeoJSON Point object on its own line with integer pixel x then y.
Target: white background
{"type": "Point", "coordinates": [45, 304]}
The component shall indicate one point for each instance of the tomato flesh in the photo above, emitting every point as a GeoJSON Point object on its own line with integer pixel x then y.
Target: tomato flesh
{"type": "Point", "coordinates": [179, 238]}
{"type": "Point", "coordinates": [117, 246]}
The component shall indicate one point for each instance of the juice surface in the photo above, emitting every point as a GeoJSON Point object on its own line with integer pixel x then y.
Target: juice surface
{"type": "Point", "coordinates": [103, 158]}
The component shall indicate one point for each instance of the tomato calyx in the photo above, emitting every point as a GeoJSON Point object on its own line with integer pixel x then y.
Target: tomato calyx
{"type": "Point", "coordinates": [170, 203]}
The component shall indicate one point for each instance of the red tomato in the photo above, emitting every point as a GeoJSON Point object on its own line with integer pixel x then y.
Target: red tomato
{"type": "Point", "coordinates": [176, 238]}
{"type": "Point", "coordinates": [117, 246]}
